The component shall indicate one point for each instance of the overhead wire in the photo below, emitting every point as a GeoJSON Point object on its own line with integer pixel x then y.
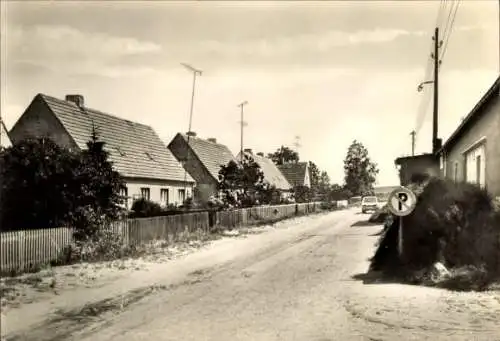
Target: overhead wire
{"type": "Point", "coordinates": [446, 37]}
{"type": "Point", "coordinates": [425, 101]}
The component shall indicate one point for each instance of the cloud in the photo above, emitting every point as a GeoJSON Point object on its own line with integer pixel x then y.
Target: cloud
{"type": "Point", "coordinates": [285, 45]}
{"type": "Point", "coordinates": [67, 50]}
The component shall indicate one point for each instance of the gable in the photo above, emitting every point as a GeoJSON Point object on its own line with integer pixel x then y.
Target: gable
{"type": "Point", "coordinates": [295, 173]}
{"type": "Point", "coordinates": [271, 172]}
{"type": "Point", "coordinates": [212, 155]}
{"type": "Point", "coordinates": [135, 149]}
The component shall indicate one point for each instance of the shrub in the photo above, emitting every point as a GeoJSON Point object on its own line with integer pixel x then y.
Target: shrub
{"type": "Point", "coordinates": [454, 223]}
{"type": "Point", "coordinates": [145, 208]}
{"type": "Point", "coordinates": [104, 245]}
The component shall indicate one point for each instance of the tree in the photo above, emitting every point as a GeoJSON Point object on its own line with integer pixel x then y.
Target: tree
{"type": "Point", "coordinates": [360, 171]}
{"type": "Point", "coordinates": [100, 200]}
{"type": "Point", "coordinates": [241, 181]}
{"type": "Point", "coordinates": [323, 185]}
{"type": "Point", "coordinates": [338, 192]}
{"type": "Point", "coordinates": [314, 174]}
{"type": "Point", "coordinates": [284, 155]}
{"type": "Point", "coordinates": [38, 184]}
{"type": "Point", "coordinates": [302, 194]}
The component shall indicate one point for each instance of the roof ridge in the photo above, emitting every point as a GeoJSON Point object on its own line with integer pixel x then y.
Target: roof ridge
{"type": "Point", "coordinates": [88, 109]}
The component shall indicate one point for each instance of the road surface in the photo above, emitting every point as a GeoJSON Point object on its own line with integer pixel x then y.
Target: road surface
{"type": "Point", "coordinates": [295, 283]}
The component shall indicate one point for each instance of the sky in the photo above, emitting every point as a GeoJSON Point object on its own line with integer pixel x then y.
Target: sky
{"type": "Point", "coordinates": [329, 72]}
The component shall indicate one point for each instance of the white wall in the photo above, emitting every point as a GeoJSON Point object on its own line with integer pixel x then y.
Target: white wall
{"type": "Point", "coordinates": [307, 180]}
{"type": "Point", "coordinates": [155, 186]}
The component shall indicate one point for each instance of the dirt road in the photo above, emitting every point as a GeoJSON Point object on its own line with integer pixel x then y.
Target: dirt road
{"type": "Point", "coordinates": [292, 283]}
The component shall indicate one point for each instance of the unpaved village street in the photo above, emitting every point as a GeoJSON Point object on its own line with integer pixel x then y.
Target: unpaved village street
{"type": "Point", "coordinates": [299, 281]}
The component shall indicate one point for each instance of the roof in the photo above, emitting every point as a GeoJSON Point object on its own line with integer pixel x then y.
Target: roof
{"type": "Point", "coordinates": [211, 154]}
{"type": "Point", "coordinates": [476, 112]}
{"type": "Point", "coordinates": [271, 172]}
{"type": "Point", "coordinates": [135, 149]}
{"type": "Point", "coordinates": [420, 156]}
{"type": "Point", "coordinates": [4, 136]}
{"type": "Point", "coordinates": [295, 173]}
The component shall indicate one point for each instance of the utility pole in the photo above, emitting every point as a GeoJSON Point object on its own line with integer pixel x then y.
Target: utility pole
{"type": "Point", "coordinates": [437, 45]}
{"type": "Point", "coordinates": [195, 72]}
{"type": "Point", "coordinates": [242, 123]}
{"type": "Point", "coordinates": [413, 133]}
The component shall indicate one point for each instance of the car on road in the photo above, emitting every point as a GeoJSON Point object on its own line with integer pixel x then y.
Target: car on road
{"type": "Point", "coordinates": [369, 203]}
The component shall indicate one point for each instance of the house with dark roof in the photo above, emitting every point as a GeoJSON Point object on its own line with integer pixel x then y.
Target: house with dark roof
{"type": "Point", "coordinates": [5, 141]}
{"type": "Point", "coordinates": [272, 175]}
{"type": "Point", "coordinates": [472, 152]}
{"type": "Point", "coordinates": [296, 173]}
{"type": "Point", "coordinates": [202, 158]}
{"type": "Point", "coordinates": [138, 154]}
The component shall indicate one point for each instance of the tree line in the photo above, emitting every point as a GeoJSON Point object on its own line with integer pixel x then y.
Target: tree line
{"type": "Point", "coordinates": [243, 183]}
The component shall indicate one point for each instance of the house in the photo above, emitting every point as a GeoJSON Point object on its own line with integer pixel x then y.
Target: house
{"type": "Point", "coordinates": [203, 159]}
{"type": "Point", "coordinates": [272, 175]}
{"type": "Point", "coordinates": [5, 141]}
{"type": "Point", "coordinates": [418, 164]}
{"type": "Point", "coordinates": [472, 153]}
{"type": "Point", "coordinates": [297, 173]}
{"type": "Point", "coordinates": [138, 154]}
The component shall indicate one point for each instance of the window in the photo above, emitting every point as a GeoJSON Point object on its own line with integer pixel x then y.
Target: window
{"type": "Point", "coordinates": [182, 196]}
{"type": "Point", "coordinates": [455, 172]}
{"type": "Point", "coordinates": [145, 193]}
{"type": "Point", "coordinates": [124, 195]}
{"type": "Point", "coordinates": [164, 196]}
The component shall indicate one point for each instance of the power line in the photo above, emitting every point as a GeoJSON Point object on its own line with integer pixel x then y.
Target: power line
{"type": "Point", "coordinates": [442, 5]}
{"type": "Point", "coordinates": [447, 36]}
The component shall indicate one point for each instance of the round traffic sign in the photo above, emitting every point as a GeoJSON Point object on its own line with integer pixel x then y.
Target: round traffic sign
{"type": "Point", "coordinates": [401, 202]}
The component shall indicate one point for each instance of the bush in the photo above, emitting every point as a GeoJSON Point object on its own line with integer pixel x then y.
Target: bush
{"type": "Point", "coordinates": [104, 245]}
{"type": "Point", "coordinates": [328, 205]}
{"type": "Point", "coordinates": [380, 216]}
{"type": "Point", "coordinates": [145, 208]}
{"type": "Point", "coordinates": [453, 223]}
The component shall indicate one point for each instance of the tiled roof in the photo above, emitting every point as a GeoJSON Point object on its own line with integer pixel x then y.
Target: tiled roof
{"type": "Point", "coordinates": [271, 172]}
{"type": "Point", "coordinates": [295, 173]}
{"type": "Point", "coordinates": [4, 136]}
{"type": "Point", "coordinates": [211, 154]}
{"type": "Point", "coordinates": [135, 149]}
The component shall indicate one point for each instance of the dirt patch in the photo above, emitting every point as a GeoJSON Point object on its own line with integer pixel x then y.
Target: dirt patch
{"type": "Point", "coordinates": [34, 287]}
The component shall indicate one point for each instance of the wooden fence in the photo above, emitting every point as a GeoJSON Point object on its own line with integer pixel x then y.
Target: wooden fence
{"type": "Point", "coordinates": [22, 250]}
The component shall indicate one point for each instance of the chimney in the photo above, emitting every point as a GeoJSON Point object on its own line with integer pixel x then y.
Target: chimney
{"type": "Point", "coordinates": [191, 133]}
{"type": "Point", "coordinates": [260, 154]}
{"type": "Point", "coordinates": [77, 99]}
{"type": "Point", "coordinates": [249, 151]}
{"type": "Point", "coordinates": [212, 139]}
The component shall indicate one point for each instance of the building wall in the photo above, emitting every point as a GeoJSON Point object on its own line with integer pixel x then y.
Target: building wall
{"type": "Point", "coordinates": [155, 186]}
{"type": "Point", "coordinates": [4, 137]}
{"type": "Point", "coordinates": [415, 165]}
{"type": "Point", "coordinates": [206, 185]}
{"type": "Point", "coordinates": [307, 180]}
{"type": "Point", "coordinates": [488, 127]}
{"type": "Point", "coordinates": [38, 121]}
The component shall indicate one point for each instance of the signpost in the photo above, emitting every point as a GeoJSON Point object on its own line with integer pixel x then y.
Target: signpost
{"type": "Point", "coordinates": [401, 203]}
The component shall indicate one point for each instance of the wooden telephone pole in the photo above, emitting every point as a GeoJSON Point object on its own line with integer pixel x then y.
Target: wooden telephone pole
{"type": "Point", "coordinates": [242, 124]}
{"type": "Point", "coordinates": [435, 57]}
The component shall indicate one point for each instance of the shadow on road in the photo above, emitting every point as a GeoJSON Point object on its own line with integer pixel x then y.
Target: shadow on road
{"type": "Point", "coordinates": [374, 277]}
{"type": "Point", "coordinates": [364, 223]}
